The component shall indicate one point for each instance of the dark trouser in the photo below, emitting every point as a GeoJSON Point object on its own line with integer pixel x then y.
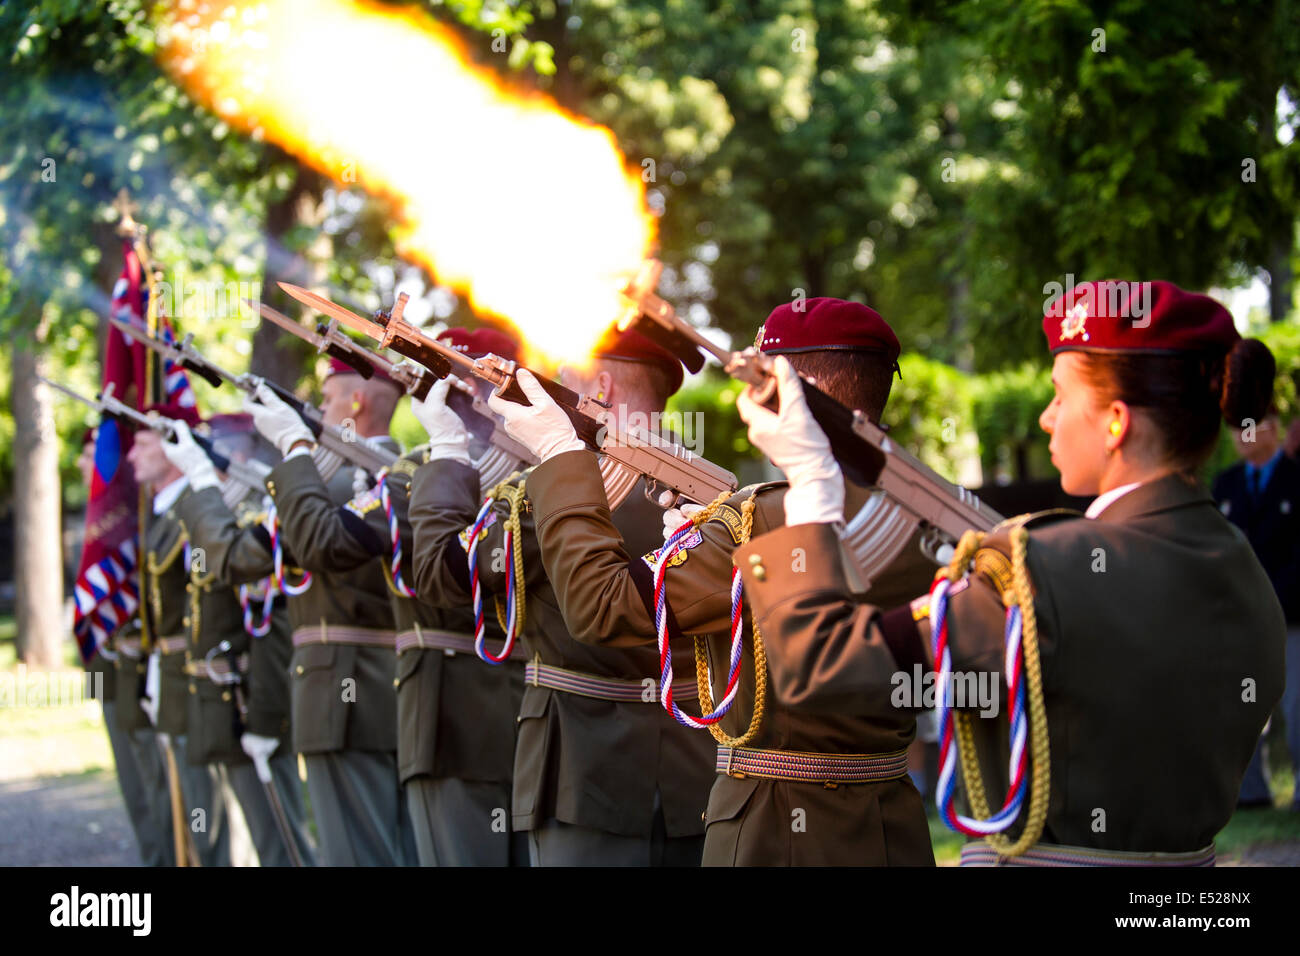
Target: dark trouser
{"type": "Point", "coordinates": [256, 806]}
{"type": "Point", "coordinates": [361, 818]}
{"type": "Point", "coordinates": [142, 778]}
{"type": "Point", "coordinates": [205, 806]}
{"type": "Point", "coordinates": [462, 823]}
{"type": "Point", "coordinates": [555, 843]}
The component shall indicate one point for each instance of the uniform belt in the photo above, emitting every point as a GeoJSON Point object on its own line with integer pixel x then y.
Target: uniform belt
{"type": "Point", "coordinates": [604, 688]}
{"type": "Point", "coordinates": [1052, 854]}
{"type": "Point", "coordinates": [170, 645]}
{"type": "Point", "coordinates": [130, 646]}
{"type": "Point", "coordinates": [342, 634]}
{"type": "Point", "coordinates": [812, 768]}
{"type": "Point", "coordinates": [217, 669]}
{"type": "Point", "coordinates": [431, 639]}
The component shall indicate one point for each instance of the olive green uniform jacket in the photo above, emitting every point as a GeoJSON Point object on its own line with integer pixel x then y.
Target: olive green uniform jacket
{"type": "Point", "coordinates": [603, 589]}
{"type": "Point", "coordinates": [1161, 643]}
{"type": "Point", "coordinates": [455, 713]}
{"type": "Point", "coordinates": [215, 614]}
{"type": "Point", "coordinates": [324, 717]}
{"type": "Point", "coordinates": [581, 760]}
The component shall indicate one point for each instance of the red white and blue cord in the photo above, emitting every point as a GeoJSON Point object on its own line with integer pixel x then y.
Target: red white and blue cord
{"type": "Point", "coordinates": [246, 604]}
{"type": "Point", "coordinates": [476, 589]}
{"type": "Point", "coordinates": [674, 544]}
{"type": "Point", "coordinates": [1019, 759]}
{"type": "Point", "coordinates": [277, 558]}
{"type": "Point", "coordinates": [395, 539]}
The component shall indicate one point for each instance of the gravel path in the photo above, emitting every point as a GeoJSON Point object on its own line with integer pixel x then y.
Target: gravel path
{"type": "Point", "coordinates": [74, 820]}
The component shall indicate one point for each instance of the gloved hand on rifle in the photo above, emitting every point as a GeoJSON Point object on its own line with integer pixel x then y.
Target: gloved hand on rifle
{"type": "Point", "coordinates": [674, 518]}
{"type": "Point", "coordinates": [187, 456]}
{"type": "Point", "coordinates": [797, 445]}
{"type": "Point", "coordinates": [542, 427]}
{"type": "Point", "coordinates": [276, 420]}
{"type": "Point", "coordinates": [448, 436]}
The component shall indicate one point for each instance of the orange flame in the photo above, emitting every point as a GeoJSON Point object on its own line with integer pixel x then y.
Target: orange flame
{"type": "Point", "coordinates": [529, 211]}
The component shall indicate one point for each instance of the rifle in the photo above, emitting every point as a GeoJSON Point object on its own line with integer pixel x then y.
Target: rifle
{"type": "Point", "coordinates": [503, 454]}
{"type": "Point", "coordinates": [627, 455]}
{"type": "Point", "coordinates": [251, 474]}
{"type": "Point", "coordinates": [918, 499]}
{"type": "Point", "coordinates": [329, 437]}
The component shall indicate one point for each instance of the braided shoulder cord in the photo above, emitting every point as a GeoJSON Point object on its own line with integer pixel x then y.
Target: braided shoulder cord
{"type": "Point", "coordinates": [1023, 667]}
{"type": "Point", "coordinates": [710, 715]}
{"type": "Point", "coordinates": [513, 616]}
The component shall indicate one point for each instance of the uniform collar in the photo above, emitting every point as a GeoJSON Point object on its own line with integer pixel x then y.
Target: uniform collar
{"type": "Point", "coordinates": [165, 498]}
{"type": "Point", "coordinates": [1174, 490]}
{"type": "Point", "coordinates": [1106, 499]}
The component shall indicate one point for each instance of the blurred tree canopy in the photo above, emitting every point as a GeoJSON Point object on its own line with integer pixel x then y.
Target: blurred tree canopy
{"type": "Point", "coordinates": [942, 161]}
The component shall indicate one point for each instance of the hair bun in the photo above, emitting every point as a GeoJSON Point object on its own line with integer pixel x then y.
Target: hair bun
{"type": "Point", "coordinates": [1247, 388]}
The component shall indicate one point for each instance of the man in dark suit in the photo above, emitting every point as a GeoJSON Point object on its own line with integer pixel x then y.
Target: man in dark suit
{"type": "Point", "coordinates": [1261, 496]}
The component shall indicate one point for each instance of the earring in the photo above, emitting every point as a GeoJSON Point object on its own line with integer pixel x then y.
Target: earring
{"type": "Point", "coordinates": [600, 396]}
{"type": "Point", "coordinates": [1115, 428]}
{"type": "Point", "coordinates": [356, 406]}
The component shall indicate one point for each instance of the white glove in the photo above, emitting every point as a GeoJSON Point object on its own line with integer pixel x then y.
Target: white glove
{"type": "Point", "coordinates": [276, 420]}
{"type": "Point", "coordinates": [152, 682]}
{"type": "Point", "coordinates": [186, 455]}
{"type": "Point", "coordinates": [674, 518]}
{"type": "Point", "coordinates": [797, 445]}
{"type": "Point", "coordinates": [542, 427]}
{"type": "Point", "coordinates": [448, 436]}
{"type": "Point", "coordinates": [259, 749]}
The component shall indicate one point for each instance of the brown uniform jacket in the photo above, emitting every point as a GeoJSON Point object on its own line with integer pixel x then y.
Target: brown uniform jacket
{"type": "Point", "coordinates": [325, 717]}
{"type": "Point", "coordinates": [215, 615]}
{"type": "Point", "coordinates": [582, 760]}
{"type": "Point", "coordinates": [1158, 671]}
{"type": "Point", "coordinates": [603, 593]}
{"type": "Point", "coordinates": [455, 714]}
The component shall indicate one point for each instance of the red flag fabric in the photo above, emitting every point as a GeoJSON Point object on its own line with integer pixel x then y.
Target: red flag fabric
{"type": "Point", "coordinates": [106, 590]}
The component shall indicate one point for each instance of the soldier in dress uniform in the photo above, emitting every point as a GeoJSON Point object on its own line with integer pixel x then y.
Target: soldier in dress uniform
{"type": "Point", "coordinates": [1158, 637]}
{"type": "Point", "coordinates": [600, 776]}
{"type": "Point", "coordinates": [455, 714]}
{"type": "Point", "coordinates": [794, 786]}
{"type": "Point", "coordinates": [238, 681]}
{"type": "Point", "coordinates": [344, 708]}
{"type": "Point", "coordinates": [164, 574]}
{"type": "Point", "coordinates": [141, 773]}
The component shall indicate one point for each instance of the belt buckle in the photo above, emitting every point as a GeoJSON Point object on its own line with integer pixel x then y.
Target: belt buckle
{"type": "Point", "coordinates": [734, 774]}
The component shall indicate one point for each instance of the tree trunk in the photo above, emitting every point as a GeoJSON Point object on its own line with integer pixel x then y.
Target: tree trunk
{"type": "Point", "coordinates": [38, 563]}
{"type": "Point", "coordinates": [277, 355]}
{"type": "Point", "coordinates": [1281, 278]}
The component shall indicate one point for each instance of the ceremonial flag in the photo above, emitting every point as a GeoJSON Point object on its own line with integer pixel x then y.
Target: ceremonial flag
{"type": "Point", "coordinates": [106, 590]}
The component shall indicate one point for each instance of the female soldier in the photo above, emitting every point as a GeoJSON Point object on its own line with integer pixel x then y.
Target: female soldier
{"type": "Point", "coordinates": [1153, 641]}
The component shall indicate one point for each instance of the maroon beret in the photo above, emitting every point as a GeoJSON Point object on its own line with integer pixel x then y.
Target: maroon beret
{"type": "Point", "coordinates": [635, 347]}
{"type": "Point", "coordinates": [186, 413]}
{"type": "Point", "coordinates": [810, 325]}
{"type": "Point", "coordinates": [1121, 316]}
{"type": "Point", "coordinates": [479, 342]}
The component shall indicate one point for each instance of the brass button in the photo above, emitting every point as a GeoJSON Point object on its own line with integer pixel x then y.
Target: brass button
{"type": "Point", "coordinates": [270, 486]}
{"type": "Point", "coordinates": [185, 622]}
{"type": "Point", "coordinates": [298, 670]}
{"type": "Point", "coordinates": [756, 565]}
{"type": "Point", "coordinates": [225, 695]}
{"type": "Point", "coordinates": [396, 682]}
{"type": "Point", "coordinates": [193, 689]}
